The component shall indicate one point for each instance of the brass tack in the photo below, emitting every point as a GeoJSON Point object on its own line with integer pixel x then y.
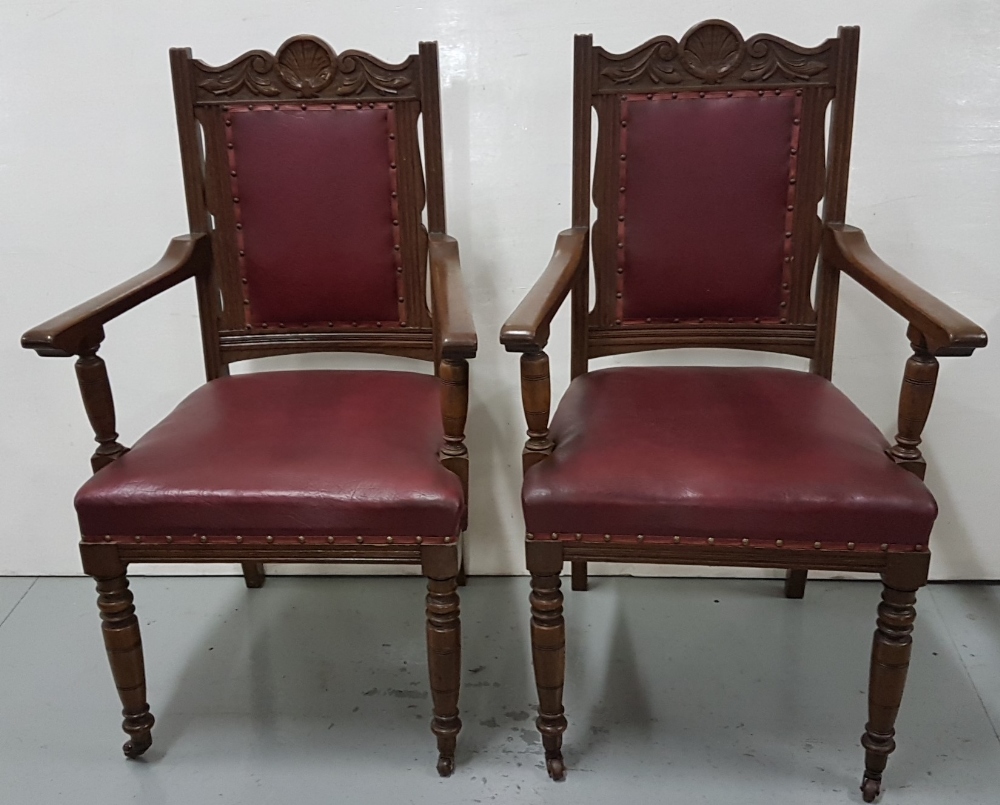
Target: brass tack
{"type": "Point", "coordinates": [673, 95]}
{"type": "Point", "coordinates": [676, 320]}
{"type": "Point", "coordinates": [402, 324]}
{"type": "Point", "coordinates": [624, 124]}
{"type": "Point", "coordinates": [884, 546]}
{"type": "Point", "coordinates": [777, 92]}
{"type": "Point", "coordinates": [711, 540]}
{"type": "Point", "coordinates": [784, 285]}
{"type": "Point", "coordinates": [242, 253]}
{"type": "Point", "coordinates": [394, 194]}
{"type": "Point", "coordinates": [757, 319]}
{"type": "Point", "coordinates": [391, 105]}
{"type": "Point", "coordinates": [796, 121]}
{"type": "Point", "coordinates": [554, 535]}
{"type": "Point", "coordinates": [791, 208]}
{"type": "Point", "coordinates": [918, 547]}
{"type": "Point", "coordinates": [303, 107]}
{"type": "Point", "coordinates": [236, 199]}
{"type": "Point", "coordinates": [360, 539]}
{"type": "Point", "coordinates": [229, 146]}
{"type": "Point", "coordinates": [621, 189]}
{"type": "Point", "coordinates": [779, 542]}
{"type": "Point", "coordinates": [783, 321]}
{"type": "Point", "coordinates": [238, 538]}
{"type": "Point", "coordinates": [270, 538]}
{"type": "Point", "coordinates": [618, 321]}
{"type": "Point", "coordinates": [395, 222]}
{"type": "Point", "coordinates": [798, 92]}
{"type": "Point", "coordinates": [619, 296]}
{"type": "Point", "coordinates": [239, 226]}
{"type": "Point", "coordinates": [760, 92]}
{"type": "Point", "coordinates": [371, 105]}
{"type": "Point", "coordinates": [359, 105]}
{"type": "Point", "coordinates": [745, 542]}
{"type": "Point", "coordinates": [649, 96]}
{"type": "Point", "coordinates": [677, 539]}
{"type": "Point", "coordinates": [621, 245]}
{"type": "Point", "coordinates": [276, 107]}
{"type": "Point", "coordinates": [623, 157]}
{"type": "Point", "coordinates": [389, 540]}
{"type": "Point", "coordinates": [249, 106]}
{"type": "Point", "coordinates": [138, 538]}
{"type": "Point", "coordinates": [330, 539]}
{"type": "Point", "coordinates": [624, 97]}
{"type": "Point", "coordinates": [392, 166]}
{"type": "Point", "coordinates": [225, 108]}
{"type": "Point", "coordinates": [621, 217]}
{"type": "Point", "coordinates": [783, 304]}
{"type": "Point", "coordinates": [850, 546]}
{"type": "Point", "coordinates": [817, 545]}
{"type": "Point", "coordinates": [246, 301]}
{"type": "Point", "coordinates": [396, 247]}
{"type": "Point", "coordinates": [378, 324]}
{"type": "Point", "coordinates": [204, 538]}
{"type": "Point", "coordinates": [607, 538]}
{"type": "Point", "coordinates": [640, 537]}
{"type": "Point", "coordinates": [701, 318]}
{"type": "Point", "coordinates": [419, 540]}
{"type": "Point", "coordinates": [729, 94]}
{"type": "Point", "coordinates": [392, 136]}
{"type": "Point", "coordinates": [621, 270]}
{"type": "Point", "coordinates": [788, 234]}
{"type": "Point", "coordinates": [730, 319]}
{"type": "Point", "coordinates": [232, 173]}
{"type": "Point", "coordinates": [529, 535]}
{"type": "Point", "coordinates": [107, 538]}
{"type": "Point", "coordinates": [701, 94]}
{"type": "Point", "coordinates": [648, 318]}
{"type": "Point", "coordinates": [301, 538]}
{"type": "Point", "coordinates": [399, 269]}
{"type": "Point", "coordinates": [579, 536]}
{"type": "Point", "coordinates": [229, 122]}
{"type": "Point", "coordinates": [794, 151]}
{"type": "Point", "coordinates": [792, 180]}
{"type": "Point", "coordinates": [447, 539]}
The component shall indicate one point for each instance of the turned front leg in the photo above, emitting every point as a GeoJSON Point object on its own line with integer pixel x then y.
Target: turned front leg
{"type": "Point", "coordinates": [123, 642]}
{"type": "Point", "coordinates": [444, 648]}
{"type": "Point", "coordinates": [548, 649]}
{"type": "Point", "coordinates": [890, 660]}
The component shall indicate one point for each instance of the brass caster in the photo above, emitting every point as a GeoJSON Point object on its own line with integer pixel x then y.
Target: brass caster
{"type": "Point", "coordinates": [445, 765]}
{"type": "Point", "coordinates": [554, 764]}
{"type": "Point", "coordinates": [137, 745]}
{"type": "Point", "coordinates": [870, 788]}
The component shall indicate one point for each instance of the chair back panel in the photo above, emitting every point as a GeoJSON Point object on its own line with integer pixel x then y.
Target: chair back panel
{"type": "Point", "coordinates": [707, 205]}
{"type": "Point", "coordinates": [306, 167]}
{"type": "Point", "coordinates": [711, 165]}
{"type": "Point", "coordinates": [313, 201]}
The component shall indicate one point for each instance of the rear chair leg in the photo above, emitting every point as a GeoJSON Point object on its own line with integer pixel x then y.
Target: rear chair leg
{"type": "Point", "coordinates": [579, 575]}
{"type": "Point", "coordinates": [795, 583]}
{"type": "Point", "coordinates": [253, 574]}
{"type": "Point", "coordinates": [444, 648]}
{"type": "Point", "coordinates": [891, 646]}
{"type": "Point", "coordinates": [124, 646]}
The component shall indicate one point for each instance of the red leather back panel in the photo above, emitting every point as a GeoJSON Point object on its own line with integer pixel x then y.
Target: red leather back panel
{"type": "Point", "coordinates": [708, 197]}
{"type": "Point", "coordinates": [313, 191]}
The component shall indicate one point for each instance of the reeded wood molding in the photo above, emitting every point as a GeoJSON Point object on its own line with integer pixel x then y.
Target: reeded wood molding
{"type": "Point", "coordinates": [711, 53]}
{"type": "Point", "coordinates": [527, 328]}
{"type": "Point", "coordinates": [82, 328]}
{"type": "Point", "coordinates": [454, 329]}
{"type": "Point", "coordinates": [946, 331]}
{"type": "Point", "coordinates": [305, 67]}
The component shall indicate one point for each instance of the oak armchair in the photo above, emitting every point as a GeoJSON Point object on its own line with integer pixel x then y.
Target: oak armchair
{"type": "Point", "coordinates": [305, 191]}
{"type": "Point", "coordinates": [711, 162]}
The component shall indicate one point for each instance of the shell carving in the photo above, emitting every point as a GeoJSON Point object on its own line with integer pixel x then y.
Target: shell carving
{"type": "Point", "coordinates": [712, 51]}
{"type": "Point", "coordinates": [306, 65]}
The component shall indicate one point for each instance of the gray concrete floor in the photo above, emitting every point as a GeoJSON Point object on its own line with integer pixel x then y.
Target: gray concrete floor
{"type": "Point", "coordinates": [315, 690]}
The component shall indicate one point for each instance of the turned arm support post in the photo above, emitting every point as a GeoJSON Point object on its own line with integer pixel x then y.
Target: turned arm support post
{"type": "Point", "coordinates": [454, 376]}
{"type": "Point", "coordinates": [935, 330]}
{"type": "Point", "coordinates": [527, 331]}
{"type": "Point", "coordinates": [80, 332]}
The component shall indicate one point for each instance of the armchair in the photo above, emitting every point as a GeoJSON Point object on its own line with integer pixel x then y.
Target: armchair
{"type": "Point", "coordinates": [711, 162]}
{"type": "Point", "coordinates": [305, 191]}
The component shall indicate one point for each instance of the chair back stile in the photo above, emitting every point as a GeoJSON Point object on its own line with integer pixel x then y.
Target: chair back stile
{"type": "Point", "coordinates": [286, 159]}
{"type": "Point", "coordinates": [711, 164]}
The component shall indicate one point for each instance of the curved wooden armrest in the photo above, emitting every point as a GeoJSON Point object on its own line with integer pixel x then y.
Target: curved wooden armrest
{"type": "Point", "coordinates": [456, 331]}
{"type": "Point", "coordinates": [82, 328]}
{"type": "Point", "coordinates": [945, 330]}
{"type": "Point", "coordinates": [527, 329]}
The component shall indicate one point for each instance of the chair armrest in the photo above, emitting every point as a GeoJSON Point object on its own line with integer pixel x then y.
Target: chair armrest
{"type": "Point", "coordinates": [82, 327]}
{"type": "Point", "coordinates": [945, 330]}
{"type": "Point", "coordinates": [454, 327]}
{"type": "Point", "coordinates": [527, 329]}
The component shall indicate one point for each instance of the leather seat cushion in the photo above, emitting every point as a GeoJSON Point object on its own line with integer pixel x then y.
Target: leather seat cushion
{"type": "Point", "coordinates": [298, 452]}
{"type": "Point", "coordinates": [740, 453]}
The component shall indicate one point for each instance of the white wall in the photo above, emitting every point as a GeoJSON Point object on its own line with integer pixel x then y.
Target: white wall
{"type": "Point", "coordinates": [91, 192]}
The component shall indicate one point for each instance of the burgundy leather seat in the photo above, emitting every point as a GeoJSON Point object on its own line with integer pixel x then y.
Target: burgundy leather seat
{"type": "Point", "coordinates": [730, 453]}
{"type": "Point", "coordinates": [287, 454]}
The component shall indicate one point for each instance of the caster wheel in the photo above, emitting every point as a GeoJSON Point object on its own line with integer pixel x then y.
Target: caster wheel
{"type": "Point", "coordinates": [445, 765]}
{"type": "Point", "coordinates": [870, 788]}
{"type": "Point", "coordinates": [556, 767]}
{"type": "Point", "coordinates": [137, 746]}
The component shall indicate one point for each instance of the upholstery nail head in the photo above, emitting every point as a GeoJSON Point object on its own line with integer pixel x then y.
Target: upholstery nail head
{"type": "Point", "coordinates": [701, 94]}
{"type": "Point", "coordinates": [798, 92]}
{"type": "Point", "coordinates": [677, 539]}
{"type": "Point", "coordinates": [621, 189]}
{"type": "Point", "coordinates": [276, 107]}
{"type": "Point", "coordinates": [623, 157]}
{"type": "Point", "coordinates": [729, 94]}
{"type": "Point", "coordinates": [204, 538]}
{"type": "Point", "coordinates": [760, 92]}
{"type": "Point", "coordinates": [618, 321]}
{"type": "Point", "coordinates": [303, 107]}
{"type": "Point", "coordinates": [529, 535]}
{"type": "Point", "coordinates": [169, 538]}
{"type": "Point", "coordinates": [270, 538]}
{"type": "Point", "coordinates": [391, 105]}
{"type": "Point", "coordinates": [884, 546]}
{"type": "Point", "coordinates": [777, 92]}
{"type": "Point", "coordinates": [745, 542]}
{"type": "Point", "coordinates": [419, 540]}
{"type": "Point", "coordinates": [607, 538]}
{"type": "Point", "coordinates": [388, 540]}
{"type": "Point", "coordinates": [330, 539]}
{"type": "Point", "coordinates": [360, 539]}
{"type": "Point", "coordinates": [648, 318]}
{"type": "Point", "coordinates": [795, 121]}
{"type": "Point", "coordinates": [138, 538]}
{"type": "Point", "coordinates": [579, 537]}
{"type": "Point", "coordinates": [249, 106]}
{"type": "Point", "coordinates": [301, 538]}
{"type": "Point", "coordinates": [850, 546]}
{"type": "Point", "coordinates": [783, 321]}
{"type": "Point", "coordinates": [817, 545]}
{"type": "Point", "coordinates": [711, 540]}
{"type": "Point", "coordinates": [673, 95]}
{"type": "Point", "coordinates": [554, 535]}
{"type": "Point", "coordinates": [640, 537]}
{"type": "Point", "coordinates": [779, 542]}
{"type": "Point", "coordinates": [107, 538]}
{"type": "Point", "coordinates": [371, 105]}
{"type": "Point", "coordinates": [359, 105]}
{"type": "Point", "coordinates": [447, 539]}
{"type": "Point", "coordinates": [918, 547]}
{"type": "Point", "coordinates": [239, 538]}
